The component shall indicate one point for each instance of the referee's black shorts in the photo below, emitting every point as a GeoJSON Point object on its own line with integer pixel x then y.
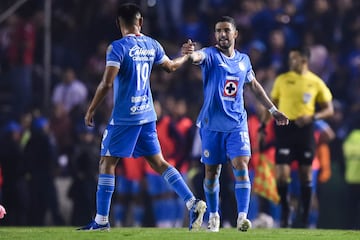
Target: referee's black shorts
{"type": "Point", "coordinates": [295, 143]}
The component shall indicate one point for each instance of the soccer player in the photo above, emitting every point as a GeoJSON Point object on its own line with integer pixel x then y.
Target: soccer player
{"type": "Point", "coordinates": [223, 118]}
{"type": "Point", "coordinates": [298, 93]}
{"type": "Point", "coordinates": [132, 126]}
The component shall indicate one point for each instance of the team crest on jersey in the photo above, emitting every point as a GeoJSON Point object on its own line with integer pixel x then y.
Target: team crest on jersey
{"type": "Point", "coordinates": [230, 88]}
{"type": "Point", "coordinates": [306, 97]}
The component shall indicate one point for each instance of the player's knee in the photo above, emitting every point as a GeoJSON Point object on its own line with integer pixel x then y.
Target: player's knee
{"type": "Point", "coordinates": [240, 163]}
{"type": "Point", "coordinates": [107, 165]}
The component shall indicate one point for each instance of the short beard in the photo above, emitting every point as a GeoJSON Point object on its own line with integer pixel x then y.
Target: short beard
{"type": "Point", "coordinates": [225, 47]}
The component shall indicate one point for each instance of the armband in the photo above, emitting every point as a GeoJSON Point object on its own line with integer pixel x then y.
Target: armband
{"type": "Point", "coordinates": [272, 110]}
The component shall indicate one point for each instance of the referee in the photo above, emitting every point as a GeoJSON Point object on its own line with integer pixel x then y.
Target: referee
{"type": "Point", "coordinates": [303, 97]}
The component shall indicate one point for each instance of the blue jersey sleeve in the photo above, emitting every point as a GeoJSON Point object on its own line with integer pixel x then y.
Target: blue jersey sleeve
{"type": "Point", "coordinates": [206, 60]}
{"type": "Point", "coordinates": [160, 53]}
{"type": "Point", "coordinates": [250, 75]}
{"type": "Point", "coordinates": [114, 55]}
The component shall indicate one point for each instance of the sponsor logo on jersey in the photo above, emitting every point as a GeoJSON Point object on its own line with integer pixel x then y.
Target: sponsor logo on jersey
{"type": "Point", "coordinates": [242, 66]}
{"type": "Point", "coordinates": [224, 66]}
{"type": "Point", "coordinates": [140, 108]}
{"type": "Point", "coordinates": [306, 97]}
{"type": "Point", "coordinates": [141, 54]}
{"type": "Point", "coordinates": [136, 99]}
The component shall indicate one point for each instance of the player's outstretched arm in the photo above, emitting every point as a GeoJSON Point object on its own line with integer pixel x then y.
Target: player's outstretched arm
{"type": "Point", "coordinates": [171, 65]}
{"type": "Point", "coordinates": [103, 88]}
{"type": "Point", "coordinates": [258, 90]}
{"type": "Point", "coordinates": [189, 49]}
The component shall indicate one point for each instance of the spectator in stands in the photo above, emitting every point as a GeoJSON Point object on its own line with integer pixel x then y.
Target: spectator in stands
{"type": "Point", "coordinates": [10, 161]}
{"type": "Point", "coordinates": [40, 154]}
{"type": "Point", "coordinates": [70, 92]}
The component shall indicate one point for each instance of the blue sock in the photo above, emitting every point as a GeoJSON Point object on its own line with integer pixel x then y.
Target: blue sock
{"type": "Point", "coordinates": [106, 186]}
{"type": "Point", "coordinates": [313, 217]}
{"type": "Point", "coordinates": [242, 194]}
{"type": "Point", "coordinates": [138, 215]}
{"type": "Point", "coordinates": [177, 183]}
{"type": "Point", "coordinates": [212, 189]}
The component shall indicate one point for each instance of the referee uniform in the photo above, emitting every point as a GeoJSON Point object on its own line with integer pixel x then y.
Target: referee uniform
{"type": "Point", "coordinates": [297, 96]}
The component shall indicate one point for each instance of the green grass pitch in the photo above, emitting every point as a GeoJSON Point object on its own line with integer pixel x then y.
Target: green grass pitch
{"type": "Point", "coordinates": [66, 233]}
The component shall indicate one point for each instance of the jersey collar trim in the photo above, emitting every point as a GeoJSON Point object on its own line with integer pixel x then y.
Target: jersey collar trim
{"type": "Point", "coordinates": [133, 35]}
{"type": "Point", "coordinates": [232, 56]}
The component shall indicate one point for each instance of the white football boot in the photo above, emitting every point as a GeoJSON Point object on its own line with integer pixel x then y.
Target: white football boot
{"type": "Point", "coordinates": [214, 223]}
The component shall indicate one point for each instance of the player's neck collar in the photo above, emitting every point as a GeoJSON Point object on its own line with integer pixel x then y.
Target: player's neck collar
{"type": "Point", "coordinates": [231, 56]}
{"type": "Point", "coordinates": [133, 35]}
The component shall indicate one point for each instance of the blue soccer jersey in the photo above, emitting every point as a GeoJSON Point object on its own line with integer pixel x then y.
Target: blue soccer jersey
{"type": "Point", "coordinates": [223, 80]}
{"type": "Point", "coordinates": [134, 55]}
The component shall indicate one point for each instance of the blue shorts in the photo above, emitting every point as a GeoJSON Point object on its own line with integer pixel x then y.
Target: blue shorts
{"type": "Point", "coordinates": [219, 147]}
{"type": "Point", "coordinates": [130, 141]}
{"type": "Point", "coordinates": [126, 186]}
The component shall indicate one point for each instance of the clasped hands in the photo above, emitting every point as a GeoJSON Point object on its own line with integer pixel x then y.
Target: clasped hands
{"type": "Point", "coordinates": [188, 48]}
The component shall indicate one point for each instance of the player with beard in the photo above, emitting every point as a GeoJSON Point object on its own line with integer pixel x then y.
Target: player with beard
{"type": "Point", "coordinates": [223, 118]}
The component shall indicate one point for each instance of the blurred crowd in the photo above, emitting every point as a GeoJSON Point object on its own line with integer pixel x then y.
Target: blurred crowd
{"type": "Point", "coordinates": [44, 149]}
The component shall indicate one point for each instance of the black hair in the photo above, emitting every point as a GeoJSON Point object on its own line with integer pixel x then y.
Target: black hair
{"type": "Point", "coordinates": [227, 19]}
{"type": "Point", "coordinates": [304, 51]}
{"type": "Point", "coordinates": [128, 12]}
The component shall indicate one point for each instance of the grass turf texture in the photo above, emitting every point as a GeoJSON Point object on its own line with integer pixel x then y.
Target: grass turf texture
{"type": "Point", "coordinates": [65, 233]}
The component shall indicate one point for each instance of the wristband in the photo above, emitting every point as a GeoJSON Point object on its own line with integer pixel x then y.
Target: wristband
{"type": "Point", "coordinates": [272, 110]}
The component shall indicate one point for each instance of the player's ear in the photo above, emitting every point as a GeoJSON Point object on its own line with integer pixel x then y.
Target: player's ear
{"type": "Point", "coordinates": [141, 20]}
{"type": "Point", "coordinates": [117, 23]}
{"type": "Point", "coordinates": [236, 33]}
